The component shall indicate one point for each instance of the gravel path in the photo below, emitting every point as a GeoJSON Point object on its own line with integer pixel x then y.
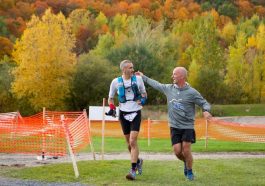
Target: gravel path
{"type": "Point", "coordinates": [21, 160]}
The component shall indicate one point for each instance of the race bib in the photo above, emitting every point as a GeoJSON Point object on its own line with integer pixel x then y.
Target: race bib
{"type": "Point", "coordinates": [130, 117]}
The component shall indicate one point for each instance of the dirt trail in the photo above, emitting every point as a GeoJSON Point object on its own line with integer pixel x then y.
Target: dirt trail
{"type": "Point", "coordinates": [21, 160]}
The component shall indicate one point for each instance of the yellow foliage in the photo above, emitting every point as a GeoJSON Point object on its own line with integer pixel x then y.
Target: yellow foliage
{"type": "Point", "coordinates": [251, 42]}
{"type": "Point", "coordinates": [45, 61]}
{"type": "Point", "coordinates": [193, 73]}
{"type": "Point", "coordinates": [261, 37]}
{"type": "Point", "coordinates": [228, 33]}
{"type": "Point", "coordinates": [101, 19]}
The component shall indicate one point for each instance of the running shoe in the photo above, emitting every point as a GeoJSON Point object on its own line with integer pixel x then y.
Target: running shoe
{"type": "Point", "coordinates": [190, 175]}
{"type": "Point", "coordinates": [131, 175]}
{"type": "Point", "coordinates": [139, 167]}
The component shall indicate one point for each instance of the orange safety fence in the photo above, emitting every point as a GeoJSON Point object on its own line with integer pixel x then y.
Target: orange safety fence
{"type": "Point", "coordinates": [44, 133]}
{"type": "Point", "coordinates": [218, 130]}
{"type": "Point", "coordinates": [230, 131]}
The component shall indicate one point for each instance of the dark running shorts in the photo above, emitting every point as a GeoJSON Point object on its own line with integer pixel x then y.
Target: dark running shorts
{"type": "Point", "coordinates": [128, 126]}
{"type": "Point", "coordinates": [180, 135]}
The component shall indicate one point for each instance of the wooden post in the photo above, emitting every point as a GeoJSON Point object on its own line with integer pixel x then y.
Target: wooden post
{"type": "Point", "coordinates": [89, 134]}
{"type": "Point", "coordinates": [43, 134]}
{"type": "Point", "coordinates": [43, 115]}
{"type": "Point", "coordinates": [206, 134]}
{"type": "Point", "coordinates": [148, 131]}
{"type": "Point", "coordinates": [103, 130]}
{"type": "Point", "coordinates": [69, 147]}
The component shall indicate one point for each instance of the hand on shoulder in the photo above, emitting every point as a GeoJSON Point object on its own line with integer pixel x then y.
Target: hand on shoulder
{"type": "Point", "coordinates": [138, 73]}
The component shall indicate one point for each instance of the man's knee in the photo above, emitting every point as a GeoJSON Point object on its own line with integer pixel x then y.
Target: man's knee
{"type": "Point", "coordinates": [186, 150]}
{"type": "Point", "coordinates": [133, 143]}
{"type": "Point", "coordinates": [177, 150]}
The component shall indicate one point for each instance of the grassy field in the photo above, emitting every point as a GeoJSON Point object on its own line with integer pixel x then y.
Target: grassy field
{"type": "Point", "coordinates": [207, 172]}
{"type": "Point", "coordinates": [164, 145]}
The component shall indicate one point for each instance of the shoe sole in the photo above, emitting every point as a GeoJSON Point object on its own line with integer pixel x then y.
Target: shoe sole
{"type": "Point", "coordinates": [130, 177]}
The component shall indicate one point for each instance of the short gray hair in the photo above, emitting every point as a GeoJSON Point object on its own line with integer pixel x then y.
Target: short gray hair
{"type": "Point", "coordinates": [183, 71]}
{"type": "Point", "coordinates": [124, 63]}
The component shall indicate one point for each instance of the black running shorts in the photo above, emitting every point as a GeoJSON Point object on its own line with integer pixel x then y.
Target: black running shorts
{"type": "Point", "coordinates": [180, 135]}
{"type": "Point", "coordinates": [128, 126]}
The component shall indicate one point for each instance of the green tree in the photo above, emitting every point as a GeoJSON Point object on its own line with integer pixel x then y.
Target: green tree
{"type": "Point", "coordinates": [259, 65]}
{"type": "Point", "coordinates": [228, 9]}
{"type": "Point", "coordinates": [105, 43]}
{"type": "Point", "coordinates": [91, 81]}
{"type": "Point", "coordinates": [119, 23]}
{"type": "Point", "coordinates": [101, 20]}
{"type": "Point", "coordinates": [207, 70]}
{"type": "Point", "coordinates": [3, 28]}
{"type": "Point", "coordinates": [7, 101]}
{"type": "Point", "coordinates": [45, 61]}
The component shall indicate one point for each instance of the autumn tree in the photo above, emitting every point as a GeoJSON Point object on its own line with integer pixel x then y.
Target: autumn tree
{"type": "Point", "coordinates": [45, 61]}
{"type": "Point", "coordinates": [237, 69]}
{"type": "Point", "coordinates": [259, 66]}
{"type": "Point", "coordinates": [207, 66]}
{"type": "Point", "coordinates": [228, 33]}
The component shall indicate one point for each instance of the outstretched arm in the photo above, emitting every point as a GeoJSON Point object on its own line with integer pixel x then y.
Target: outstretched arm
{"type": "Point", "coordinates": [153, 83]}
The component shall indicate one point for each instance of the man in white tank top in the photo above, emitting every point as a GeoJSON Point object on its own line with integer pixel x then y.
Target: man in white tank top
{"type": "Point", "coordinates": [130, 106]}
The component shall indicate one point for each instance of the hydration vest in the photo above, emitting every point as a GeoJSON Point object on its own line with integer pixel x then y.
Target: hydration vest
{"type": "Point", "coordinates": [121, 90]}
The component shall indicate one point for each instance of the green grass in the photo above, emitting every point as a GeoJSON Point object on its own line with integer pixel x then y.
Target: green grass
{"type": "Point", "coordinates": [239, 110]}
{"type": "Point", "coordinates": [164, 145]}
{"type": "Point", "coordinates": [160, 111]}
{"type": "Point", "coordinates": [208, 172]}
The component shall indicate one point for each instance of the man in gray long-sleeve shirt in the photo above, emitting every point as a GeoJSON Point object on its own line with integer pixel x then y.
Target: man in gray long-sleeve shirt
{"type": "Point", "coordinates": [181, 100]}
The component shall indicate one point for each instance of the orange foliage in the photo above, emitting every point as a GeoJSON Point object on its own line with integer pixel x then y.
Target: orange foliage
{"type": "Point", "coordinates": [135, 9]}
{"type": "Point", "coordinates": [16, 26]}
{"type": "Point", "coordinates": [181, 14]}
{"type": "Point", "coordinates": [108, 10]}
{"type": "Point", "coordinates": [194, 7]}
{"type": "Point", "coordinates": [145, 3]}
{"type": "Point", "coordinates": [6, 47]}
{"type": "Point", "coordinates": [122, 7]}
{"type": "Point", "coordinates": [40, 7]}
{"type": "Point", "coordinates": [168, 5]}
{"type": "Point", "coordinates": [168, 8]}
{"type": "Point", "coordinates": [105, 28]}
{"type": "Point", "coordinates": [246, 9]}
{"type": "Point", "coordinates": [77, 4]}
{"type": "Point", "coordinates": [157, 14]}
{"type": "Point", "coordinates": [260, 10]}
{"type": "Point", "coordinates": [82, 36]}
{"type": "Point", "coordinates": [57, 6]}
{"type": "Point", "coordinates": [25, 10]}
{"type": "Point", "coordinates": [6, 4]}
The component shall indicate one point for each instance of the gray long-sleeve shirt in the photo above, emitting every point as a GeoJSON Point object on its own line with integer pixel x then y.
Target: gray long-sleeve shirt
{"type": "Point", "coordinates": [181, 103]}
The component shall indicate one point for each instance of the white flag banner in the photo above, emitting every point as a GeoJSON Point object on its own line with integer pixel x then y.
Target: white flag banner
{"type": "Point", "coordinates": [95, 113]}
